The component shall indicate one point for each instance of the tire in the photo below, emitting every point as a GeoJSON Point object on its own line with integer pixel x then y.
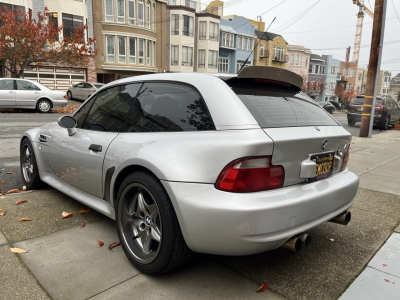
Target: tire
{"type": "Point", "coordinates": [43, 106]}
{"type": "Point", "coordinates": [28, 165]}
{"type": "Point", "coordinates": [385, 125]}
{"type": "Point", "coordinates": [144, 214]}
{"type": "Point", "coordinates": [351, 123]}
{"type": "Point", "coordinates": [69, 95]}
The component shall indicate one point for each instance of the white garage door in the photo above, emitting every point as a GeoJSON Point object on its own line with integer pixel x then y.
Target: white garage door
{"type": "Point", "coordinates": [56, 78]}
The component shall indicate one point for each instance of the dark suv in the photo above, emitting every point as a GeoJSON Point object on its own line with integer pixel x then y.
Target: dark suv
{"type": "Point", "coordinates": [387, 111]}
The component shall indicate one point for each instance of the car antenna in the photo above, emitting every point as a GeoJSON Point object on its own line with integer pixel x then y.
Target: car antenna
{"type": "Point", "coordinates": [256, 46]}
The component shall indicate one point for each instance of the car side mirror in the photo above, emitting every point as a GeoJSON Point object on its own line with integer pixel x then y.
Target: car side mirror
{"type": "Point", "coordinates": [69, 123]}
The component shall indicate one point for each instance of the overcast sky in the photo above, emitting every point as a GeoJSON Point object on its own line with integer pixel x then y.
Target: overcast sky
{"type": "Point", "coordinates": [318, 29]}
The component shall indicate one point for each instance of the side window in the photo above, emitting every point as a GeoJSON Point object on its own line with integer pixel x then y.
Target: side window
{"type": "Point", "coordinates": [7, 84]}
{"type": "Point", "coordinates": [168, 107]}
{"type": "Point", "coordinates": [80, 85]}
{"type": "Point", "coordinates": [87, 86]}
{"type": "Point", "coordinates": [111, 108]}
{"type": "Point", "coordinates": [26, 85]}
{"type": "Point", "coordinates": [81, 114]}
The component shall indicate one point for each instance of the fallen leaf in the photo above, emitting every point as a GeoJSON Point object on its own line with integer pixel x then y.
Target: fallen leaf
{"type": "Point", "coordinates": [384, 265]}
{"type": "Point", "coordinates": [18, 250]}
{"type": "Point", "coordinates": [113, 246]}
{"type": "Point", "coordinates": [82, 224]}
{"type": "Point", "coordinates": [85, 211]}
{"type": "Point", "coordinates": [3, 197]}
{"type": "Point", "coordinates": [66, 215]}
{"type": "Point", "coordinates": [387, 280]}
{"type": "Point", "coordinates": [12, 148]}
{"type": "Point", "coordinates": [24, 219]}
{"type": "Point", "coordinates": [13, 191]}
{"type": "Point", "coordinates": [332, 240]}
{"type": "Point", "coordinates": [262, 288]}
{"type": "Point", "coordinates": [2, 213]}
{"type": "Point", "coordinates": [3, 181]}
{"type": "Point", "coordinates": [21, 201]}
{"type": "Point", "coordinates": [9, 173]}
{"type": "Point", "coordinates": [24, 188]}
{"type": "Point", "coordinates": [0, 189]}
{"type": "Point", "coordinates": [100, 243]}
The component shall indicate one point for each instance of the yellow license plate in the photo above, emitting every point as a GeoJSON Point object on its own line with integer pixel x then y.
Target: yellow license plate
{"type": "Point", "coordinates": [324, 163]}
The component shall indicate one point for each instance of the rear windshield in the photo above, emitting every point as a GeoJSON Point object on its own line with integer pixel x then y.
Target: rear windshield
{"type": "Point", "coordinates": [276, 106]}
{"type": "Point", "coordinates": [360, 100]}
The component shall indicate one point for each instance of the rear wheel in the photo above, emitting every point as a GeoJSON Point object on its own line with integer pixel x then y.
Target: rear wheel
{"type": "Point", "coordinates": [148, 227]}
{"type": "Point", "coordinates": [29, 169]}
{"type": "Point", "coordinates": [69, 95]}
{"type": "Point", "coordinates": [43, 106]}
{"type": "Point", "coordinates": [351, 122]}
{"type": "Point", "coordinates": [385, 124]}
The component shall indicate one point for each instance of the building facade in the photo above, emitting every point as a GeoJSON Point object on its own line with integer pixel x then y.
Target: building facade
{"type": "Point", "coordinates": [236, 45]}
{"type": "Point", "coordinates": [360, 76]}
{"type": "Point", "coordinates": [384, 82]}
{"type": "Point", "coordinates": [271, 51]}
{"type": "Point", "coordinates": [131, 38]}
{"type": "Point", "coordinates": [299, 59]}
{"type": "Point", "coordinates": [332, 74]}
{"type": "Point", "coordinates": [316, 73]}
{"type": "Point", "coordinates": [71, 13]}
{"type": "Point", "coordinates": [192, 38]}
{"type": "Point", "coordinates": [348, 75]}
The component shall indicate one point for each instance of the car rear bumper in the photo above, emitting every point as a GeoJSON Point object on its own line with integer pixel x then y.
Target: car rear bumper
{"type": "Point", "coordinates": [59, 103]}
{"type": "Point", "coordinates": [357, 118]}
{"type": "Point", "coordinates": [217, 222]}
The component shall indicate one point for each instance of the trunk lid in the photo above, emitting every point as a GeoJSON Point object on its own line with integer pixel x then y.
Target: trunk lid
{"type": "Point", "coordinates": [293, 145]}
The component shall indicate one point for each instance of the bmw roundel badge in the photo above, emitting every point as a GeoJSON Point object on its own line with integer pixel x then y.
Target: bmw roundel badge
{"type": "Point", "coordinates": [324, 145]}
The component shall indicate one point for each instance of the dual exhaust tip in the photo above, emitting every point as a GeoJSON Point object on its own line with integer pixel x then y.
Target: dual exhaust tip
{"type": "Point", "coordinates": [304, 239]}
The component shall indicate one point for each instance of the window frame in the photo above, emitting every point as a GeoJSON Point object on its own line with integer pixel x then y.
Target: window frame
{"type": "Point", "coordinates": [132, 20]}
{"type": "Point", "coordinates": [141, 58]}
{"type": "Point", "coordinates": [121, 18]}
{"type": "Point", "coordinates": [140, 9]}
{"type": "Point", "coordinates": [119, 54]}
{"type": "Point", "coordinates": [133, 57]}
{"type": "Point", "coordinates": [280, 51]}
{"type": "Point", "coordinates": [203, 37]}
{"type": "Point", "coordinates": [190, 25]}
{"type": "Point", "coordinates": [187, 63]}
{"type": "Point", "coordinates": [113, 47]}
{"type": "Point", "coordinates": [175, 24]}
{"type": "Point", "coordinates": [174, 62]}
{"type": "Point", "coordinates": [224, 63]}
{"type": "Point", "coordinates": [148, 15]}
{"type": "Point", "coordinates": [216, 31]}
{"type": "Point", "coordinates": [109, 18]}
{"type": "Point", "coordinates": [262, 50]}
{"type": "Point", "coordinates": [148, 52]}
{"type": "Point", "coordinates": [214, 57]}
{"type": "Point", "coordinates": [200, 63]}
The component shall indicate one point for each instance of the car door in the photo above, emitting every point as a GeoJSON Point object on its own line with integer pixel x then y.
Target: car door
{"type": "Point", "coordinates": [78, 91]}
{"type": "Point", "coordinates": [87, 90]}
{"type": "Point", "coordinates": [27, 94]}
{"type": "Point", "coordinates": [395, 116]}
{"type": "Point", "coordinates": [78, 159]}
{"type": "Point", "coordinates": [7, 93]}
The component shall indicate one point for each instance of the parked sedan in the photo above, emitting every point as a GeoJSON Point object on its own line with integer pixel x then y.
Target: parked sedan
{"type": "Point", "coordinates": [28, 94]}
{"type": "Point", "coordinates": [387, 112]}
{"type": "Point", "coordinates": [83, 90]}
{"type": "Point", "coordinates": [327, 106]}
{"type": "Point", "coordinates": [218, 164]}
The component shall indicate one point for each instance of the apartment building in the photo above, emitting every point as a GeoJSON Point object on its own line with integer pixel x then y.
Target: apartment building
{"type": "Point", "coordinates": [360, 77]}
{"type": "Point", "coordinates": [192, 38]}
{"type": "Point", "coordinates": [348, 75]}
{"type": "Point", "coordinates": [131, 38]}
{"type": "Point", "coordinates": [384, 82]}
{"type": "Point", "coordinates": [332, 75]}
{"type": "Point", "coordinates": [236, 45]}
{"type": "Point", "coordinates": [299, 59]}
{"type": "Point", "coordinates": [271, 51]}
{"type": "Point", "coordinates": [71, 13]}
{"type": "Point", "coordinates": [316, 73]}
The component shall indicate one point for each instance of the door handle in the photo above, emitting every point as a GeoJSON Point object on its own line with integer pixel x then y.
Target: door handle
{"type": "Point", "coordinates": [11, 92]}
{"type": "Point", "coordinates": [37, 92]}
{"type": "Point", "coordinates": [95, 148]}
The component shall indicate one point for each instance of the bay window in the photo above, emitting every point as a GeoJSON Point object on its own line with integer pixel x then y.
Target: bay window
{"type": "Point", "coordinates": [121, 49]}
{"type": "Point", "coordinates": [291, 59]}
{"type": "Point", "coordinates": [227, 39]}
{"type": "Point", "coordinates": [149, 53]}
{"type": "Point", "coordinates": [202, 58]}
{"type": "Point", "coordinates": [223, 65]}
{"type": "Point", "coordinates": [187, 56]}
{"type": "Point", "coordinates": [153, 18]}
{"type": "Point", "coordinates": [109, 10]}
{"type": "Point", "coordinates": [203, 30]}
{"type": "Point", "coordinates": [141, 12]}
{"type": "Point", "coordinates": [110, 48]}
{"type": "Point", "coordinates": [188, 25]}
{"type": "Point", "coordinates": [71, 22]}
{"type": "Point", "coordinates": [121, 11]}
{"type": "Point", "coordinates": [212, 59]}
{"type": "Point", "coordinates": [278, 53]}
{"type": "Point", "coordinates": [175, 24]}
{"type": "Point", "coordinates": [174, 55]}
{"type": "Point", "coordinates": [132, 50]}
{"type": "Point", "coordinates": [141, 51]}
{"type": "Point", "coordinates": [131, 12]}
{"type": "Point", "coordinates": [214, 31]}
{"type": "Point", "coordinates": [148, 14]}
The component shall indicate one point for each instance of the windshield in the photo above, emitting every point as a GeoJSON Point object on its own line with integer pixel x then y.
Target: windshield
{"type": "Point", "coordinates": [360, 100]}
{"type": "Point", "coordinates": [279, 106]}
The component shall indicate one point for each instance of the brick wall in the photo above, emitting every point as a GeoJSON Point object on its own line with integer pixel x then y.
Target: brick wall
{"type": "Point", "coordinates": [91, 71]}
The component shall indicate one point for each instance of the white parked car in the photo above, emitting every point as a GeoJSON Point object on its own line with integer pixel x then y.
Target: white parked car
{"type": "Point", "coordinates": [28, 94]}
{"type": "Point", "coordinates": [83, 90]}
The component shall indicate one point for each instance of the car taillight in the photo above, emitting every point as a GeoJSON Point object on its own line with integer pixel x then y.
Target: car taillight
{"type": "Point", "coordinates": [345, 159]}
{"type": "Point", "coordinates": [352, 105]}
{"type": "Point", "coordinates": [252, 174]}
{"type": "Point", "coordinates": [65, 97]}
{"type": "Point", "coordinates": [380, 107]}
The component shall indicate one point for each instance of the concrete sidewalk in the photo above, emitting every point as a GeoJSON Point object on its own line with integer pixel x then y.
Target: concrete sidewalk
{"type": "Point", "coordinates": [65, 262]}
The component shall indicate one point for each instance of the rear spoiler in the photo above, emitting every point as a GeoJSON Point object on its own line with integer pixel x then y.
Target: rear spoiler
{"type": "Point", "coordinates": [271, 74]}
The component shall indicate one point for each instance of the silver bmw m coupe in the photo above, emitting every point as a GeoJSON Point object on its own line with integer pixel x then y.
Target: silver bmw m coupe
{"type": "Point", "coordinates": [185, 163]}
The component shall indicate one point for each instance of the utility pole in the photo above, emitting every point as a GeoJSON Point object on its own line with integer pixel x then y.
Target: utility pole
{"type": "Point", "coordinates": [367, 119]}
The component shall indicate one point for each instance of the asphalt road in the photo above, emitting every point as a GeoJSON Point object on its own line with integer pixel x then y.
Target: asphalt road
{"type": "Point", "coordinates": [12, 125]}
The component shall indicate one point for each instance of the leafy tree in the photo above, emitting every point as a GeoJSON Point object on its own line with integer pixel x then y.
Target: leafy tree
{"type": "Point", "coordinates": [26, 41]}
{"type": "Point", "coordinates": [345, 94]}
{"type": "Point", "coordinates": [311, 87]}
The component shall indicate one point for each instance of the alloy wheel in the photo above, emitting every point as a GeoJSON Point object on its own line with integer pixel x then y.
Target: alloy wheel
{"type": "Point", "coordinates": [27, 167]}
{"type": "Point", "coordinates": [140, 223]}
{"type": "Point", "coordinates": [44, 106]}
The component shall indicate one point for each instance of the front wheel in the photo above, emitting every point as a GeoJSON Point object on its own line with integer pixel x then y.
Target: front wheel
{"type": "Point", "coordinates": [351, 123]}
{"type": "Point", "coordinates": [43, 106]}
{"type": "Point", "coordinates": [29, 169]}
{"type": "Point", "coordinates": [385, 124]}
{"type": "Point", "coordinates": [147, 225]}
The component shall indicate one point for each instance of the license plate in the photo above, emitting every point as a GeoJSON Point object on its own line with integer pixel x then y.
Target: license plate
{"type": "Point", "coordinates": [324, 163]}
